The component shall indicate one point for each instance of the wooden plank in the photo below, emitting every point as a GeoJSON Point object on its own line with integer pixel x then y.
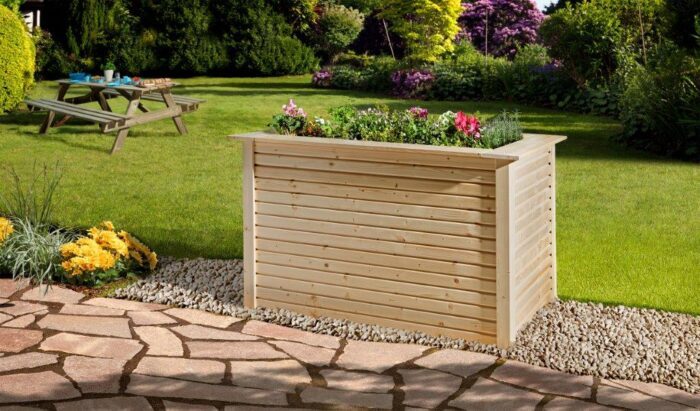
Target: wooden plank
{"type": "Point", "coordinates": [377, 246]}
{"type": "Point", "coordinates": [525, 280]}
{"type": "Point", "coordinates": [428, 292]}
{"type": "Point", "coordinates": [538, 299]}
{"type": "Point", "coordinates": [381, 260]}
{"type": "Point", "coordinates": [359, 269]}
{"type": "Point", "coordinates": [505, 253]}
{"type": "Point", "coordinates": [376, 233]}
{"type": "Point", "coordinates": [533, 208]}
{"type": "Point", "coordinates": [383, 311]}
{"type": "Point", "coordinates": [362, 154]}
{"type": "Point", "coordinates": [532, 251]}
{"type": "Point", "coordinates": [533, 177]}
{"type": "Point", "coordinates": [249, 244]}
{"type": "Point", "coordinates": [386, 322]}
{"type": "Point", "coordinates": [83, 113]}
{"type": "Point", "coordinates": [378, 220]}
{"type": "Point", "coordinates": [377, 194]}
{"type": "Point", "coordinates": [553, 207]}
{"type": "Point", "coordinates": [539, 237]}
{"type": "Point", "coordinates": [393, 183]}
{"type": "Point", "coordinates": [533, 190]}
{"type": "Point", "coordinates": [277, 279]}
{"type": "Point", "coordinates": [382, 169]}
{"type": "Point", "coordinates": [377, 207]}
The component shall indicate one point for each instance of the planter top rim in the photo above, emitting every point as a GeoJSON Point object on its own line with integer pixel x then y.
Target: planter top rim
{"type": "Point", "coordinates": [508, 153]}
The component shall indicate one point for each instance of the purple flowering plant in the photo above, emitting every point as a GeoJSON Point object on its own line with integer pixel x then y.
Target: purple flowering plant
{"type": "Point", "coordinates": [322, 78]}
{"type": "Point", "coordinates": [292, 120]}
{"type": "Point", "coordinates": [507, 24]}
{"type": "Point", "coordinates": [412, 83]}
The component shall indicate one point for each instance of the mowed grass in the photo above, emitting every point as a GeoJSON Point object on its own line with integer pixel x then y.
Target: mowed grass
{"type": "Point", "coordinates": [628, 223]}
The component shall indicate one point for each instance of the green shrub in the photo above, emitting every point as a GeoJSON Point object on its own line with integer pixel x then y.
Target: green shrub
{"type": "Point", "coordinates": [17, 56]}
{"type": "Point", "coordinates": [503, 129]}
{"type": "Point", "coordinates": [30, 200]}
{"type": "Point", "coordinates": [338, 27]}
{"type": "Point", "coordinates": [52, 62]}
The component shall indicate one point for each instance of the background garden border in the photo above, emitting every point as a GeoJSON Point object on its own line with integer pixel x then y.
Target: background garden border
{"type": "Point", "coordinates": [445, 240]}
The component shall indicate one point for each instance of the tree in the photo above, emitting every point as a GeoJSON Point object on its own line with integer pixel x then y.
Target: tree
{"type": "Point", "coordinates": [499, 27]}
{"type": "Point", "coordinates": [338, 27]}
{"type": "Point", "coordinates": [428, 27]}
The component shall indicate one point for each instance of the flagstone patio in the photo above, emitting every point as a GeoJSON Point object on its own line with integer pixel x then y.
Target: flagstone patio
{"type": "Point", "coordinates": [63, 351]}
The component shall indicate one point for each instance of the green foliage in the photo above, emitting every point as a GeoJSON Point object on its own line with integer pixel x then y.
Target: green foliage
{"type": "Point", "coordinates": [32, 251]}
{"type": "Point", "coordinates": [364, 6]}
{"type": "Point", "coordinates": [184, 43]}
{"type": "Point", "coordinates": [17, 56]}
{"type": "Point", "coordinates": [11, 4]}
{"type": "Point", "coordinates": [30, 201]}
{"type": "Point", "coordinates": [51, 60]}
{"type": "Point", "coordinates": [585, 40]}
{"type": "Point", "coordinates": [660, 105]}
{"type": "Point", "coordinates": [428, 27]}
{"type": "Point", "coordinates": [503, 129]}
{"type": "Point", "coordinates": [300, 14]}
{"type": "Point", "coordinates": [372, 73]}
{"type": "Point", "coordinates": [338, 27]}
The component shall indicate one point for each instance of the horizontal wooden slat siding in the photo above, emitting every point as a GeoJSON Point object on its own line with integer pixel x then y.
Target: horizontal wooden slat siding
{"type": "Point", "coordinates": [272, 278]}
{"type": "Point", "coordinates": [533, 265]}
{"type": "Point", "coordinates": [377, 194]}
{"type": "Point", "coordinates": [381, 169]}
{"type": "Point", "coordinates": [362, 154]}
{"type": "Point", "coordinates": [378, 220]}
{"type": "Point", "coordinates": [376, 207]}
{"type": "Point", "coordinates": [393, 183]}
{"type": "Point", "coordinates": [326, 265]}
{"type": "Point", "coordinates": [376, 246]}
{"type": "Point", "coordinates": [313, 299]}
{"type": "Point", "coordinates": [377, 233]}
{"type": "Point", "coordinates": [373, 319]}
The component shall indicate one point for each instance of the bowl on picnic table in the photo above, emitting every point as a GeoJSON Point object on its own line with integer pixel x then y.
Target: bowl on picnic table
{"type": "Point", "coordinates": [77, 76]}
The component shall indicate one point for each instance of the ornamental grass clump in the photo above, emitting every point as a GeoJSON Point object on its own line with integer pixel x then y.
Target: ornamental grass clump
{"type": "Point", "coordinates": [413, 126]}
{"type": "Point", "coordinates": [105, 255]}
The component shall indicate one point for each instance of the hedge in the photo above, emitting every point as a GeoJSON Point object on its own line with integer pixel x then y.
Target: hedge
{"type": "Point", "coordinates": [16, 60]}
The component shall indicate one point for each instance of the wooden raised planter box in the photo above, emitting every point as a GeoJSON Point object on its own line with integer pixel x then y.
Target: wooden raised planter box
{"type": "Point", "coordinates": [449, 241]}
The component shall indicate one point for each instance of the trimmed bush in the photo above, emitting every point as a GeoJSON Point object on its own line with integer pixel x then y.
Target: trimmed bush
{"type": "Point", "coordinates": [17, 56]}
{"type": "Point", "coordinates": [338, 27]}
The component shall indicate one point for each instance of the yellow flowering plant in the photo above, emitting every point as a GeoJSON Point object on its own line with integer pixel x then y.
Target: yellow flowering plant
{"type": "Point", "coordinates": [6, 229]}
{"type": "Point", "coordinates": [104, 255]}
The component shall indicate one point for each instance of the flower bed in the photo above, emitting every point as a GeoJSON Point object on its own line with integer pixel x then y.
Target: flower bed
{"type": "Point", "coordinates": [454, 241]}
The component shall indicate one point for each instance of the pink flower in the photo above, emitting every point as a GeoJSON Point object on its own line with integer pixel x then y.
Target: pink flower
{"type": "Point", "coordinates": [292, 110]}
{"type": "Point", "coordinates": [419, 112]}
{"type": "Point", "coordinates": [467, 124]}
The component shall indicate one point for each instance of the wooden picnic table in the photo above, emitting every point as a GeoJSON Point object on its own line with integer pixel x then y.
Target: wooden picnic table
{"type": "Point", "coordinates": [109, 121]}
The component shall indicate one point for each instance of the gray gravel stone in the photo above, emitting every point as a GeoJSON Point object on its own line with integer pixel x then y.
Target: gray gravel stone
{"type": "Point", "coordinates": [581, 338]}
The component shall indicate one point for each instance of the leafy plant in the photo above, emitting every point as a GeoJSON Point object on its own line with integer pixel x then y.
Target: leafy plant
{"type": "Point", "coordinates": [338, 27]}
{"type": "Point", "coordinates": [503, 129]}
{"type": "Point", "coordinates": [17, 57]}
{"type": "Point", "coordinates": [109, 66]}
{"type": "Point", "coordinates": [31, 201]}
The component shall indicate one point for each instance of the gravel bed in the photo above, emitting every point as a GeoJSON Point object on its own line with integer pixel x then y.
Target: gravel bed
{"type": "Point", "coordinates": [579, 338]}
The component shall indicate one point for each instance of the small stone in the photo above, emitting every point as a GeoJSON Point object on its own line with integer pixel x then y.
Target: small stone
{"type": "Point", "coordinates": [127, 305]}
{"type": "Point", "coordinates": [94, 375]}
{"type": "Point", "coordinates": [491, 395]}
{"type": "Point", "coordinates": [428, 388]}
{"type": "Point", "coordinates": [79, 309]}
{"type": "Point", "coordinates": [316, 395]}
{"type": "Point", "coordinates": [107, 326]}
{"type": "Point", "coordinates": [104, 347]}
{"type": "Point", "coordinates": [21, 322]}
{"type": "Point", "coordinates": [182, 368]}
{"type": "Point", "coordinates": [181, 406]}
{"type": "Point", "coordinates": [106, 404]}
{"type": "Point", "coordinates": [282, 375]}
{"type": "Point", "coordinates": [32, 387]}
{"type": "Point", "coordinates": [320, 357]}
{"type": "Point", "coordinates": [150, 318]}
{"type": "Point", "coordinates": [202, 317]}
{"type": "Point", "coordinates": [160, 341]}
{"type": "Point", "coordinates": [544, 379]}
{"type": "Point", "coordinates": [234, 350]}
{"type": "Point", "coordinates": [197, 332]}
{"type": "Point", "coordinates": [53, 294]}
{"type": "Point", "coordinates": [462, 363]}
{"type": "Point", "coordinates": [170, 388]}
{"type": "Point", "coordinates": [16, 340]}
{"type": "Point", "coordinates": [26, 361]}
{"type": "Point", "coordinates": [279, 332]}
{"type": "Point", "coordinates": [376, 356]}
{"type": "Point", "coordinates": [16, 308]}
{"type": "Point", "coordinates": [357, 381]}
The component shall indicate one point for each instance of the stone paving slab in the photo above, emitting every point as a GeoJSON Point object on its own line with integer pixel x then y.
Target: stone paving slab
{"type": "Point", "coordinates": [9, 287]}
{"type": "Point", "coordinates": [53, 294]}
{"type": "Point", "coordinates": [176, 359]}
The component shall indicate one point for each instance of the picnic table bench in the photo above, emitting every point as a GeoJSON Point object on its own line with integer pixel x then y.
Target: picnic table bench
{"type": "Point", "coordinates": [109, 121]}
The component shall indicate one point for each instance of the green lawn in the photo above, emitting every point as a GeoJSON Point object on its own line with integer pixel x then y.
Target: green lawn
{"type": "Point", "coordinates": [628, 223]}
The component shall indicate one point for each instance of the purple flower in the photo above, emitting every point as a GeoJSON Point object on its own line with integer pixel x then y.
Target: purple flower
{"type": "Point", "coordinates": [418, 112]}
{"type": "Point", "coordinates": [291, 109]}
{"type": "Point", "coordinates": [322, 78]}
{"type": "Point", "coordinates": [412, 83]}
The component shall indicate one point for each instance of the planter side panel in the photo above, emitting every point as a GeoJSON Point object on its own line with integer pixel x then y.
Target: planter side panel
{"type": "Point", "coordinates": [397, 240]}
{"type": "Point", "coordinates": [533, 267]}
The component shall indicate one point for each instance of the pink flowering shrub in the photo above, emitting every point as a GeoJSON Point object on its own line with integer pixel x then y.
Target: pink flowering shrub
{"type": "Point", "coordinates": [467, 124]}
{"type": "Point", "coordinates": [322, 78]}
{"type": "Point", "coordinates": [412, 83]}
{"type": "Point", "coordinates": [419, 112]}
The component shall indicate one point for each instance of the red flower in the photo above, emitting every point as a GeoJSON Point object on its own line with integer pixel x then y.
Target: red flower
{"type": "Point", "coordinates": [468, 124]}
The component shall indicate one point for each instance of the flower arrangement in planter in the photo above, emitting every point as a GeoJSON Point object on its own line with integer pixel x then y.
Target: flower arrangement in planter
{"type": "Point", "coordinates": [108, 69]}
{"type": "Point", "coordinates": [104, 255]}
{"type": "Point", "coordinates": [414, 126]}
